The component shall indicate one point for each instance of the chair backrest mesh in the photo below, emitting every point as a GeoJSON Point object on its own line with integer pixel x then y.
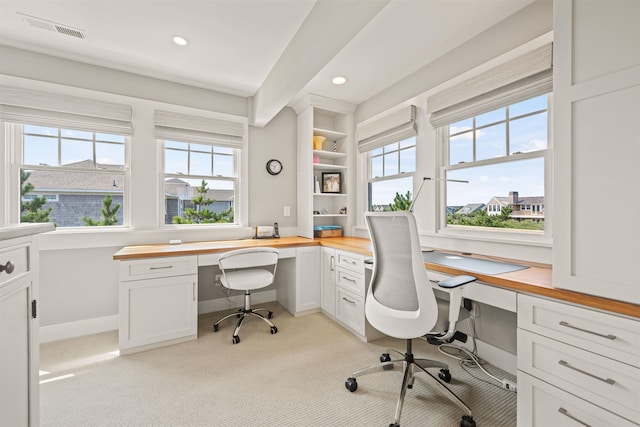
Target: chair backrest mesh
{"type": "Point", "coordinates": [393, 283]}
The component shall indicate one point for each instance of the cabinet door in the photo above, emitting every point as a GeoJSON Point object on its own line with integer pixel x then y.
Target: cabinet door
{"type": "Point", "coordinates": [350, 310]}
{"type": "Point", "coordinates": [307, 278]}
{"type": "Point", "coordinates": [596, 147]}
{"type": "Point", "coordinates": [328, 296]}
{"type": "Point", "coordinates": [156, 310]}
{"type": "Point", "coordinates": [16, 350]}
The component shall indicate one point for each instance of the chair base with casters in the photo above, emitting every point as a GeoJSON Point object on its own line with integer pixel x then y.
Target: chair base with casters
{"type": "Point", "coordinates": [410, 366]}
{"type": "Point", "coordinates": [244, 313]}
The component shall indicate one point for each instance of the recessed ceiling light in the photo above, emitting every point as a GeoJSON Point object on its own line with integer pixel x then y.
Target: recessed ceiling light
{"type": "Point", "coordinates": [180, 41]}
{"type": "Point", "coordinates": [339, 80]}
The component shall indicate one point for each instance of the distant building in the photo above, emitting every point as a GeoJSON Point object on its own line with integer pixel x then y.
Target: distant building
{"type": "Point", "coordinates": [178, 195]}
{"type": "Point", "coordinates": [531, 208]}
{"type": "Point", "coordinates": [470, 208]}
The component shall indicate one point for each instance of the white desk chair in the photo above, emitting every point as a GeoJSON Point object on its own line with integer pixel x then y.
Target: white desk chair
{"type": "Point", "coordinates": [246, 270]}
{"type": "Point", "coordinates": [400, 303]}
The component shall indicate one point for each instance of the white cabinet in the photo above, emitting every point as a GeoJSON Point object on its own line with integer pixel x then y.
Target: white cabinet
{"type": "Point", "coordinates": [350, 293]}
{"type": "Point", "coordinates": [158, 302]}
{"type": "Point", "coordinates": [596, 147]}
{"type": "Point", "coordinates": [333, 120]}
{"type": "Point", "coordinates": [19, 346]}
{"type": "Point", "coordinates": [307, 279]}
{"type": "Point", "coordinates": [328, 287]}
{"type": "Point", "coordinates": [583, 363]}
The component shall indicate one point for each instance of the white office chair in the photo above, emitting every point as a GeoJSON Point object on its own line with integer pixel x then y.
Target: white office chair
{"type": "Point", "coordinates": [246, 270]}
{"type": "Point", "coordinates": [401, 303]}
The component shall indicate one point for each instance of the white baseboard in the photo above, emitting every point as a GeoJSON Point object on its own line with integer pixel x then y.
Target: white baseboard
{"type": "Point", "coordinates": [495, 356]}
{"type": "Point", "coordinates": [220, 304]}
{"type": "Point", "coordinates": [78, 328]}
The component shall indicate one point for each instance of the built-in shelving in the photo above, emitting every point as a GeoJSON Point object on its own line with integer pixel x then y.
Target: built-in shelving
{"type": "Point", "coordinates": [318, 116]}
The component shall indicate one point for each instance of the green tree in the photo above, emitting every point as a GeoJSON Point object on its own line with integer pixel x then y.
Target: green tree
{"type": "Point", "coordinates": [200, 214]}
{"type": "Point", "coordinates": [400, 202]}
{"type": "Point", "coordinates": [31, 210]}
{"type": "Point", "coordinates": [109, 214]}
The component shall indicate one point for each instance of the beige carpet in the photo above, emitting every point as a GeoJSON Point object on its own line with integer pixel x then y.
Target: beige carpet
{"type": "Point", "coordinates": [293, 378]}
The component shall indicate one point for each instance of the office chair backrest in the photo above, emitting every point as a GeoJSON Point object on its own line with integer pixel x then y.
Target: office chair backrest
{"type": "Point", "coordinates": [400, 301]}
{"type": "Point", "coordinates": [249, 257]}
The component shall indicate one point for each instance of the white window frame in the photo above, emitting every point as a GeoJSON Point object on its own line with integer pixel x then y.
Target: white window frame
{"type": "Point", "coordinates": [14, 155]}
{"type": "Point", "coordinates": [370, 180]}
{"type": "Point", "coordinates": [238, 154]}
{"type": "Point", "coordinates": [489, 233]}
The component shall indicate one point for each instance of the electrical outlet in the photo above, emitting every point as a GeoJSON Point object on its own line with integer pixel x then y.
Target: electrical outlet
{"type": "Point", "coordinates": [509, 385]}
{"type": "Point", "coordinates": [216, 280]}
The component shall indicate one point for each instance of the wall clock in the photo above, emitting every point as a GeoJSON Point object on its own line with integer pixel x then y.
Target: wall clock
{"type": "Point", "coordinates": [274, 167]}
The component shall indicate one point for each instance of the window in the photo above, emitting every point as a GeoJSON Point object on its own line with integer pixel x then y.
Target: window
{"type": "Point", "coordinates": [502, 155]}
{"type": "Point", "coordinates": [391, 170]}
{"type": "Point", "coordinates": [200, 183]}
{"type": "Point", "coordinates": [70, 177]}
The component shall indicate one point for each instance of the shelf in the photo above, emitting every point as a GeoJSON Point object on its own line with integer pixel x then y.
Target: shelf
{"type": "Point", "coordinates": [329, 134]}
{"type": "Point", "coordinates": [330, 194]}
{"type": "Point", "coordinates": [329, 154]}
{"type": "Point", "coordinates": [329, 215]}
{"type": "Point", "coordinates": [328, 167]}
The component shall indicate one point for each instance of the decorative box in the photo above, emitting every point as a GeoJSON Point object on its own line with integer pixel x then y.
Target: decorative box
{"type": "Point", "coordinates": [327, 231]}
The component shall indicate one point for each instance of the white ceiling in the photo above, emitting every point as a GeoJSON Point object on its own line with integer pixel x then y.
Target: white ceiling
{"type": "Point", "coordinates": [273, 50]}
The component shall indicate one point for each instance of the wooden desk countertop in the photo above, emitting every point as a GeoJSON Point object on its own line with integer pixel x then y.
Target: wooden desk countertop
{"type": "Point", "coordinates": [535, 280]}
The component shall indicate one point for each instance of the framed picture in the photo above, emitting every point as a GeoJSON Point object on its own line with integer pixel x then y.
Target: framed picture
{"type": "Point", "coordinates": [331, 182]}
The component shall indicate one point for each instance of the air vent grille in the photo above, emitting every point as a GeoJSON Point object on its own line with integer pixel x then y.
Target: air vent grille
{"type": "Point", "coordinates": [43, 24]}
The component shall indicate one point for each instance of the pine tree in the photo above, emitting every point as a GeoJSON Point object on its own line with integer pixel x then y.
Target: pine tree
{"type": "Point", "coordinates": [109, 214]}
{"type": "Point", "coordinates": [31, 211]}
{"type": "Point", "coordinates": [199, 214]}
{"type": "Point", "coordinates": [400, 202]}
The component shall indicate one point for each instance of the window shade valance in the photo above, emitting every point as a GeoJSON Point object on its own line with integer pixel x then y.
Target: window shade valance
{"type": "Point", "coordinates": [29, 106]}
{"type": "Point", "coordinates": [188, 128]}
{"type": "Point", "coordinates": [394, 127]}
{"type": "Point", "coordinates": [521, 78]}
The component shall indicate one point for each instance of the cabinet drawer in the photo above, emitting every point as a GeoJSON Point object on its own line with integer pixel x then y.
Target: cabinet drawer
{"type": "Point", "coordinates": [612, 336]}
{"type": "Point", "coordinates": [597, 379]}
{"type": "Point", "coordinates": [350, 281]}
{"type": "Point", "coordinates": [19, 257]}
{"type": "Point", "coordinates": [350, 310]}
{"type": "Point", "coordinates": [350, 261]}
{"type": "Point", "coordinates": [543, 405]}
{"type": "Point", "coordinates": [158, 267]}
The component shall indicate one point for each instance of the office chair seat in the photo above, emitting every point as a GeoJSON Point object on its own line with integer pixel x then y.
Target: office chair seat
{"type": "Point", "coordinates": [246, 270]}
{"type": "Point", "coordinates": [400, 303]}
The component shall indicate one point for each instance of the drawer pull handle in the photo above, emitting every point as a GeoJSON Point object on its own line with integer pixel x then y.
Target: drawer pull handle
{"type": "Point", "coordinates": [349, 301]}
{"type": "Point", "coordinates": [568, 325]}
{"type": "Point", "coordinates": [161, 268]}
{"type": "Point", "coordinates": [350, 262]}
{"type": "Point", "coordinates": [8, 267]}
{"type": "Point", "coordinates": [348, 279]}
{"type": "Point", "coordinates": [567, 414]}
{"type": "Point", "coordinates": [567, 365]}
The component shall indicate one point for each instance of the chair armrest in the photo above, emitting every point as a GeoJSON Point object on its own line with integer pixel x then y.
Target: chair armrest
{"type": "Point", "coordinates": [454, 282]}
{"type": "Point", "coordinates": [368, 261]}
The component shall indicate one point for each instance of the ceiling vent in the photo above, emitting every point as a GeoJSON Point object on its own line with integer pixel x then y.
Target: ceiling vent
{"type": "Point", "coordinates": [52, 26]}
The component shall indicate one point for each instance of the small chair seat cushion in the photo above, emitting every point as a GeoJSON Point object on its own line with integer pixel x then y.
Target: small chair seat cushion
{"type": "Point", "coordinates": [247, 279]}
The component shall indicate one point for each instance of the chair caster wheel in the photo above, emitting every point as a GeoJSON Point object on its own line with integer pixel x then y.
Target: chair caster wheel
{"type": "Point", "coordinates": [274, 330]}
{"type": "Point", "coordinates": [236, 339]}
{"type": "Point", "coordinates": [215, 328]}
{"type": "Point", "coordinates": [270, 315]}
{"type": "Point", "coordinates": [351, 384]}
{"type": "Point", "coordinates": [394, 425]}
{"type": "Point", "coordinates": [444, 375]}
{"type": "Point", "coordinates": [384, 357]}
{"type": "Point", "coordinates": [467, 421]}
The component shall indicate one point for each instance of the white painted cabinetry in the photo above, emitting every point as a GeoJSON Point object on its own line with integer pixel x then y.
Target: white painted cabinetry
{"type": "Point", "coordinates": [19, 342]}
{"type": "Point", "coordinates": [576, 366]}
{"type": "Point", "coordinates": [307, 279]}
{"type": "Point", "coordinates": [596, 141]}
{"type": "Point", "coordinates": [158, 302]}
{"type": "Point", "coordinates": [328, 286]}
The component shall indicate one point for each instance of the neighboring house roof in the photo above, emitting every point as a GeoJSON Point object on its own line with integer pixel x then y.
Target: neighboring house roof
{"type": "Point", "coordinates": [178, 188]}
{"type": "Point", "coordinates": [470, 208]}
{"type": "Point", "coordinates": [68, 181]}
{"type": "Point", "coordinates": [533, 200]}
